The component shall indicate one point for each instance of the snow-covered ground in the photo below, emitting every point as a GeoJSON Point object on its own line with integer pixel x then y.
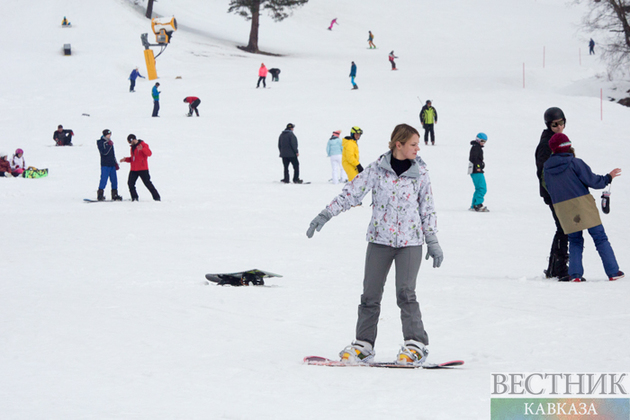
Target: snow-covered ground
{"type": "Point", "coordinates": [104, 311]}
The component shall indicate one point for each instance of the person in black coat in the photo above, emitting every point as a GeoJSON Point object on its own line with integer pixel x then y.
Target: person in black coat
{"type": "Point", "coordinates": [559, 255]}
{"type": "Point", "coordinates": [288, 146]}
{"type": "Point", "coordinates": [475, 170]}
{"type": "Point", "coordinates": [62, 137]}
{"type": "Point", "coordinates": [275, 74]}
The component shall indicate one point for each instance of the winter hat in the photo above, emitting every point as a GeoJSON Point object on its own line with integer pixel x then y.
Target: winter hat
{"type": "Point", "coordinates": [559, 143]}
{"type": "Point", "coordinates": [290, 126]}
{"type": "Point", "coordinates": [106, 132]}
{"type": "Point", "coordinates": [482, 137]}
{"type": "Point", "coordinates": [337, 132]}
{"type": "Point", "coordinates": [131, 137]}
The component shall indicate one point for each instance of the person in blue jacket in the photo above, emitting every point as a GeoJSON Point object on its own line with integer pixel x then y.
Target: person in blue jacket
{"type": "Point", "coordinates": [353, 74]}
{"type": "Point", "coordinates": [109, 166]}
{"type": "Point", "coordinates": [135, 73]}
{"type": "Point", "coordinates": [567, 179]}
{"type": "Point", "coordinates": [156, 100]}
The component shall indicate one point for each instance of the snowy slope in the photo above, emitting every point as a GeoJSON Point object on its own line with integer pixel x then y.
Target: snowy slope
{"type": "Point", "coordinates": [104, 311]}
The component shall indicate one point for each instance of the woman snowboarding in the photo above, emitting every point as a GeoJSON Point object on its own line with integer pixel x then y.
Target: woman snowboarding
{"type": "Point", "coordinates": [403, 219]}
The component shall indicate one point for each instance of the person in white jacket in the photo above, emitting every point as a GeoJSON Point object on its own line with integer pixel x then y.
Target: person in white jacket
{"type": "Point", "coordinates": [17, 163]}
{"type": "Point", "coordinates": [403, 219]}
{"type": "Point", "coordinates": [334, 150]}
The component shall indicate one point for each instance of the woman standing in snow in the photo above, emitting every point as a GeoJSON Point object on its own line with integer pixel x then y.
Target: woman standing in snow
{"type": "Point", "coordinates": [403, 219]}
{"type": "Point", "coordinates": [334, 150]}
{"type": "Point", "coordinates": [350, 155]}
{"type": "Point", "coordinates": [568, 179]}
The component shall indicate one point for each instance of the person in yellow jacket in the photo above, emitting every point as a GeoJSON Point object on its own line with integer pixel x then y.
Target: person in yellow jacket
{"type": "Point", "coordinates": [350, 154]}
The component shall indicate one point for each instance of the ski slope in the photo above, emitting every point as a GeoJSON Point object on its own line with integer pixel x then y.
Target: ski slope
{"type": "Point", "coordinates": [104, 310]}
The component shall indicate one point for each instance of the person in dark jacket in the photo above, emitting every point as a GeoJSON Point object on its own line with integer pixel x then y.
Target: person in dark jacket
{"type": "Point", "coordinates": [275, 74]}
{"type": "Point", "coordinates": [140, 153]}
{"type": "Point", "coordinates": [559, 254]}
{"type": "Point", "coordinates": [109, 166]}
{"type": "Point", "coordinates": [62, 137]}
{"type": "Point", "coordinates": [193, 103]}
{"type": "Point", "coordinates": [567, 180]}
{"type": "Point", "coordinates": [428, 118]}
{"type": "Point", "coordinates": [475, 170]}
{"type": "Point", "coordinates": [288, 146]}
{"type": "Point", "coordinates": [135, 73]}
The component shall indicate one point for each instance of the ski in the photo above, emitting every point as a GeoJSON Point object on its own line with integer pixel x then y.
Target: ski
{"type": "Point", "coordinates": [322, 361]}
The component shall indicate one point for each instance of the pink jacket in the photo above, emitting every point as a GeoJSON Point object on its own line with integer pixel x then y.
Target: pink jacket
{"type": "Point", "coordinates": [262, 72]}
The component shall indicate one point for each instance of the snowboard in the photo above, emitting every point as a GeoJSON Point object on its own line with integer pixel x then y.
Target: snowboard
{"type": "Point", "coordinates": [293, 183]}
{"type": "Point", "coordinates": [35, 173]}
{"type": "Point", "coordinates": [322, 361]}
{"type": "Point", "coordinates": [241, 278]}
{"type": "Point", "coordinates": [90, 200]}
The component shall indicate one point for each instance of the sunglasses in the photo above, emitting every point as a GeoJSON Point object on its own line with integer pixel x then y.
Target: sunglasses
{"type": "Point", "coordinates": [556, 124]}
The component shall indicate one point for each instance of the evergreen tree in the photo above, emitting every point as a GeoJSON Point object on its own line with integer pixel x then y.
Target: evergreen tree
{"type": "Point", "coordinates": [250, 10]}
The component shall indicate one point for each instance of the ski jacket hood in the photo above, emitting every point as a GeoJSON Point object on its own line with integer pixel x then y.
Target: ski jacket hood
{"type": "Point", "coordinates": [403, 212]}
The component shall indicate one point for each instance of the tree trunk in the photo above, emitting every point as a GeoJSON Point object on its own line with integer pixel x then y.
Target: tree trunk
{"type": "Point", "coordinates": [149, 9]}
{"type": "Point", "coordinates": [253, 33]}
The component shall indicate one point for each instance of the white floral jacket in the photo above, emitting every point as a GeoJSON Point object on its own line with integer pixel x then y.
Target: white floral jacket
{"type": "Point", "coordinates": [403, 212]}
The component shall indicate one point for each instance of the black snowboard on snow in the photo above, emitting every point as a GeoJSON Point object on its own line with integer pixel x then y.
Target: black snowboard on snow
{"type": "Point", "coordinates": [242, 278]}
{"type": "Point", "coordinates": [89, 200]}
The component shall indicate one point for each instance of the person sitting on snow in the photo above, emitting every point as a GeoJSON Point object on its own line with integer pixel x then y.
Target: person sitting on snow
{"type": "Point", "coordinates": [5, 166]}
{"type": "Point", "coordinates": [63, 137]}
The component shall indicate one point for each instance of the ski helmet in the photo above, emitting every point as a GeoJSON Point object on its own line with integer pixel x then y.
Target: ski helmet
{"type": "Point", "coordinates": [482, 137]}
{"type": "Point", "coordinates": [18, 151]}
{"type": "Point", "coordinates": [552, 114]}
{"type": "Point", "coordinates": [356, 130]}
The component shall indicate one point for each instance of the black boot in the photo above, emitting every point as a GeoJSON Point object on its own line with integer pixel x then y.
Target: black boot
{"type": "Point", "coordinates": [115, 196]}
{"type": "Point", "coordinates": [100, 195]}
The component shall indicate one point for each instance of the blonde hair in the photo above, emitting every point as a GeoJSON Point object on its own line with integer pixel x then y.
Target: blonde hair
{"type": "Point", "coordinates": [402, 133]}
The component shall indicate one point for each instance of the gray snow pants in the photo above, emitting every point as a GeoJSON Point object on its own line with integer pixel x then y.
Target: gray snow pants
{"type": "Point", "coordinates": [378, 261]}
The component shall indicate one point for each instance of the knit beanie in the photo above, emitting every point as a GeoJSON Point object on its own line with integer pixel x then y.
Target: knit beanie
{"type": "Point", "coordinates": [559, 143]}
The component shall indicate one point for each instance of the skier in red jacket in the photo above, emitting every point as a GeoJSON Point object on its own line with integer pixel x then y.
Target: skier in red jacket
{"type": "Point", "coordinates": [193, 103]}
{"type": "Point", "coordinates": [140, 153]}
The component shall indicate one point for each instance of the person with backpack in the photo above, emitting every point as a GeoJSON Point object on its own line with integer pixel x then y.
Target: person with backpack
{"type": "Point", "coordinates": [568, 180]}
{"type": "Point", "coordinates": [428, 118]}
{"type": "Point", "coordinates": [140, 153]}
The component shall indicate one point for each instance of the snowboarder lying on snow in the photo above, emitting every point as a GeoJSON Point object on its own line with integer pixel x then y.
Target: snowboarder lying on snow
{"type": "Point", "coordinates": [568, 179]}
{"type": "Point", "coordinates": [403, 219]}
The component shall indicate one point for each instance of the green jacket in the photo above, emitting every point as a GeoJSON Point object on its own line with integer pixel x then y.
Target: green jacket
{"type": "Point", "coordinates": [428, 115]}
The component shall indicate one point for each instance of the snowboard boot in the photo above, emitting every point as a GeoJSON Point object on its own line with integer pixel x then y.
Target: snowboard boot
{"type": "Point", "coordinates": [115, 196]}
{"type": "Point", "coordinates": [619, 275]}
{"type": "Point", "coordinates": [412, 353]}
{"type": "Point", "coordinates": [100, 195]}
{"type": "Point", "coordinates": [357, 352]}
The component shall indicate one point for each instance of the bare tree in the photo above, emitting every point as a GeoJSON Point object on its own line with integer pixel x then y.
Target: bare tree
{"type": "Point", "coordinates": [250, 10]}
{"type": "Point", "coordinates": [610, 19]}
